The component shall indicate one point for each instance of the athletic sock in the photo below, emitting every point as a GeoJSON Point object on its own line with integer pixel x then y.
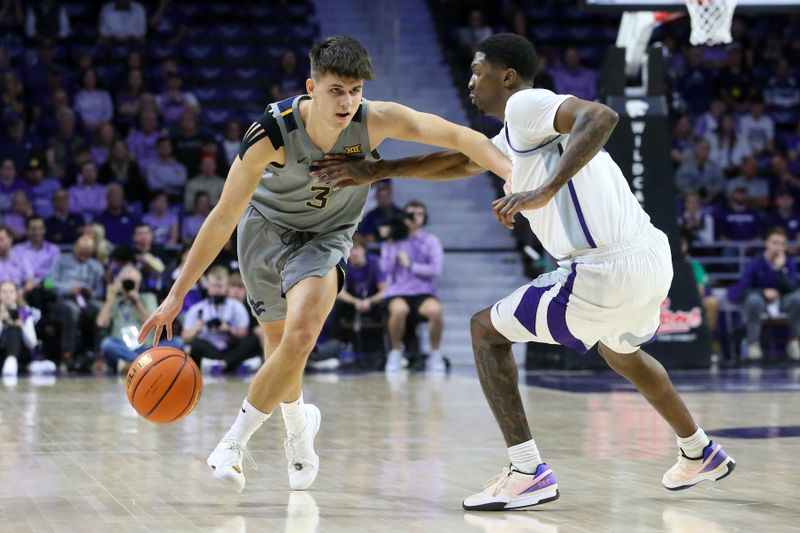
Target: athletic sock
{"type": "Point", "coordinates": [294, 415]}
{"type": "Point", "coordinates": [247, 422]}
{"type": "Point", "coordinates": [436, 354]}
{"type": "Point", "coordinates": [693, 445]}
{"type": "Point", "coordinates": [525, 456]}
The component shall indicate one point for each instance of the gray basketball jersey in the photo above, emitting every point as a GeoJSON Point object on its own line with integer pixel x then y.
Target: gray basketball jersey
{"type": "Point", "coordinates": [287, 195]}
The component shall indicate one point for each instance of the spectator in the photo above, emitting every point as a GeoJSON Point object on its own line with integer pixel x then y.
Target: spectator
{"type": "Point", "coordinates": [18, 144]}
{"type": "Point", "coordinates": [92, 104]}
{"type": "Point", "coordinates": [13, 96]}
{"type": "Point", "coordinates": [37, 252]}
{"type": "Point", "coordinates": [168, 23]}
{"type": "Point", "coordinates": [470, 36]}
{"type": "Point", "coordinates": [726, 146]}
{"type": "Point", "coordinates": [696, 220]}
{"type": "Point", "coordinates": [9, 184]}
{"type": "Point", "coordinates": [709, 121]}
{"type": "Point", "coordinates": [162, 222]}
{"type": "Point", "coordinates": [757, 188]}
{"type": "Point", "coordinates": [700, 174]}
{"type": "Point", "coordinates": [207, 181]}
{"type": "Point", "coordinates": [46, 117]}
{"type": "Point", "coordinates": [142, 142]}
{"type": "Point", "coordinates": [769, 282]}
{"type": "Point", "coordinates": [213, 327]}
{"type": "Point", "coordinates": [364, 288]}
{"type": "Point", "coordinates": [785, 215]}
{"type": "Point", "coordinates": [149, 257]}
{"type": "Point", "coordinates": [17, 330]}
{"type": "Point", "coordinates": [195, 294]}
{"type": "Point", "coordinates": [21, 210]}
{"type": "Point", "coordinates": [124, 311]}
{"type": "Point", "coordinates": [13, 267]}
{"type": "Point", "coordinates": [792, 143]}
{"type": "Point", "coordinates": [117, 220]}
{"type": "Point", "coordinates": [103, 248]}
{"type": "Point", "coordinates": [47, 21]}
{"type": "Point", "coordinates": [683, 140]}
{"type": "Point", "coordinates": [782, 96]}
{"type": "Point", "coordinates": [174, 102]}
{"type": "Point", "coordinates": [188, 143]}
{"type": "Point", "coordinates": [232, 141]}
{"type": "Point", "coordinates": [62, 226]}
{"type": "Point", "coordinates": [575, 79]}
{"type": "Point", "coordinates": [120, 168]}
{"type": "Point", "coordinates": [758, 130]}
{"type": "Point", "coordinates": [737, 221]}
{"type": "Point", "coordinates": [735, 84]}
{"type": "Point", "coordinates": [102, 144]}
{"type": "Point", "coordinates": [64, 145]}
{"type": "Point", "coordinates": [192, 223]}
{"type": "Point", "coordinates": [381, 215]}
{"type": "Point", "coordinates": [40, 189]}
{"type": "Point", "coordinates": [291, 79]}
{"type": "Point", "coordinates": [250, 350]}
{"type": "Point", "coordinates": [782, 176]}
{"type": "Point", "coordinates": [710, 302]}
{"type": "Point", "coordinates": [411, 265]}
{"type": "Point", "coordinates": [166, 173]}
{"type": "Point", "coordinates": [87, 197]}
{"type": "Point", "coordinates": [696, 86]}
{"type": "Point", "coordinates": [122, 21]}
{"type": "Point", "coordinates": [78, 284]}
{"type": "Point", "coordinates": [543, 78]}
{"type": "Point", "coordinates": [128, 99]}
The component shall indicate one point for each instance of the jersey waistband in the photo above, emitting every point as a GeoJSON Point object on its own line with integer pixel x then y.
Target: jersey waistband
{"type": "Point", "coordinates": [648, 238]}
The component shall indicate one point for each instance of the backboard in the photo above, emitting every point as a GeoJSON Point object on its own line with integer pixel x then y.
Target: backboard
{"type": "Point", "coordinates": [680, 5]}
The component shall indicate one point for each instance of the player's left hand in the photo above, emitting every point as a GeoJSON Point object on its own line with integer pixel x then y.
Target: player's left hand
{"type": "Point", "coordinates": [343, 171]}
{"type": "Point", "coordinates": [506, 207]}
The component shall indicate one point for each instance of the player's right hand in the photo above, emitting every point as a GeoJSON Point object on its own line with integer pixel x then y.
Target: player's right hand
{"type": "Point", "coordinates": [162, 319]}
{"type": "Point", "coordinates": [341, 171]}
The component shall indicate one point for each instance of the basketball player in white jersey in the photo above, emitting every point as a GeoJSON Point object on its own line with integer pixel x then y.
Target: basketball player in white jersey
{"type": "Point", "coordinates": [615, 267]}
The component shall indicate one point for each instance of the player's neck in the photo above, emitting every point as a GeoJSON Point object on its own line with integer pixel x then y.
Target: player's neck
{"type": "Point", "coordinates": [501, 110]}
{"type": "Point", "coordinates": [320, 133]}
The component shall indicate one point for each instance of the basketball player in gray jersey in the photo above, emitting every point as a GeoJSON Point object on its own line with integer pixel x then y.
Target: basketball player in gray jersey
{"type": "Point", "coordinates": [294, 234]}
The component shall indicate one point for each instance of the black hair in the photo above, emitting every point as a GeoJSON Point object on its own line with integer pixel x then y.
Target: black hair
{"type": "Point", "coordinates": [777, 230]}
{"type": "Point", "coordinates": [509, 50]}
{"type": "Point", "coordinates": [341, 56]}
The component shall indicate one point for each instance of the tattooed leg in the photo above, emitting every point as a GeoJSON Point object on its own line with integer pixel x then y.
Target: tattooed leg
{"type": "Point", "coordinates": [497, 371]}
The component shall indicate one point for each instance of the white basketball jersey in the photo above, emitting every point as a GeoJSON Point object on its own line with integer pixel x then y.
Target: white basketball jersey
{"type": "Point", "coordinates": [595, 208]}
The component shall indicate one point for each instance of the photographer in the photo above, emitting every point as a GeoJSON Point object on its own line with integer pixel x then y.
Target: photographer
{"type": "Point", "coordinates": [411, 263]}
{"type": "Point", "coordinates": [78, 283]}
{"type": "Point", "coordinates": [17, 331]}
{"type": "Point", "coordinates": [124, 311]}
{"type": "Point", "coordinates": [213, 327]}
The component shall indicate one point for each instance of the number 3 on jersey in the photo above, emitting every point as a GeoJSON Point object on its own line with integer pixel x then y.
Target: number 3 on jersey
{"type": "Point", "coordinates": [320, 198]}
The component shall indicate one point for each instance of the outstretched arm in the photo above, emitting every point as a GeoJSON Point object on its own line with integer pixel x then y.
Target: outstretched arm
{"type": "Point", "coordinates": [589, 125]}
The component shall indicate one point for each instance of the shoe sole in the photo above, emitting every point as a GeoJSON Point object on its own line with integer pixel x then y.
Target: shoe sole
{"type": "Point", "coordinates": [313, 447]}
{"type": "Point", "coordinates": [230, 480]}
{"type": "Point", "coordinates": [710, 476]}
{"type": "Point", "coordinates": [516, 504]}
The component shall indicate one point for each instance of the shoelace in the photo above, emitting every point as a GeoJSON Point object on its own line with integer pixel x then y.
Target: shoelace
{"type": "Point", "coordinates": [292, 447]}
{"type": "Point", "coordinates": [499, 481]}
{"type": "Point", "coordinates": [234, 446]}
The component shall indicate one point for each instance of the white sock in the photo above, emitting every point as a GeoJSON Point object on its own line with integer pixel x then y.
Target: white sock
{"type": "Point", "coordinates": [247, 422]}
{"type": "Point", "coordinates": [294, 415]}
{"type": "Point", "coordinates": [436, 354]}
{"type": "Point", "coordinates": [525, 456]}
{"type": "Point", "coordinates": [693, 445]}
{"type": "Point", "coordinates": [395, 353]}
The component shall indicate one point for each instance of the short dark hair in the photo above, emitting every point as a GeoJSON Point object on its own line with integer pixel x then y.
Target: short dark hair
{"type": "Point", "coordinates": [32, 218]}
{"type": "Point", "coordinates": [777, 230]}
{"type": "Point", "coordinates": [510, 50]}
{"type": "Point", "coordinates": [341, 56]}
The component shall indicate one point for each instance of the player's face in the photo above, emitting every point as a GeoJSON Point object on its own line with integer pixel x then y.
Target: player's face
{"type": "Point", "coordinates": [335, 99]}
{"type": "Point", "coordinates": [485, 84]}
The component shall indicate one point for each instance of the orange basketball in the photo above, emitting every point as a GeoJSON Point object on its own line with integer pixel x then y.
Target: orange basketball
{"type": "Point", "coordinates": [163, 384]}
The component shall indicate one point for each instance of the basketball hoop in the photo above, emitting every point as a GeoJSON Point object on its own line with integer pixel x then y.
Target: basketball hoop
{"type": "Point", "coordinates": [711, 21]}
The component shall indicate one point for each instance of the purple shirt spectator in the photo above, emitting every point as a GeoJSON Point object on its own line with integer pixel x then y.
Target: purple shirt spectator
{"type": "Point", "coordinates": [92, 104]}
{"type": "Point", "coordinates": [142, 141]}
{"type": "Point", "coordinates": [574, 79]}
{"type": "Point", "coordinates": [41, 259]}
{"type": "Point", "coordinates": [87, 200]}
{"type": "Point", "coordinates": [759, 274]}
{"type": "Point", "coordinates": [15, 268]}
{"type": "Point", "coordinates": [161, 226]}
{"type": "Point", "coordinates": [16, 222]}
{"type": "Point", "coordinates": [790, 222]}
{"type": "Point", "coordinates": [363, 282]}
{"type": "Point", "coordinates": [739, 224]}
{"type": "Point", "coordinates": [191, 225]}
{"type": "Point", "coordinates": [697, 85]}
{"type": "Point", "coordinates": [9, 184]}
{"type": "Point", "coordinates": [41, 195]}
{"type": "Point", "coordinates": [426, 255]}
{"type": "Point", "coordinates": [119, 227]}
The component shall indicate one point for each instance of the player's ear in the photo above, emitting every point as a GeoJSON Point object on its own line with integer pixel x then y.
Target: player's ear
{"type": "Point", "coordinates": [510, 77]}
{"type": "Point", "coordinates": [310, 86]}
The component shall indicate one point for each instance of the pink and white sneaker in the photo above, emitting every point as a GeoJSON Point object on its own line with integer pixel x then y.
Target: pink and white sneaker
{"type": "Point", "coordinates": [512, 489]}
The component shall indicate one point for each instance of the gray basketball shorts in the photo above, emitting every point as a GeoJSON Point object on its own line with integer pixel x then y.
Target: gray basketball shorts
{"type": "Point", "coordinates": [273, 259]}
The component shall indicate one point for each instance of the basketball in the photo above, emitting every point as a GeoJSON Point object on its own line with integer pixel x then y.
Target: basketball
{"type": "Point", "coordinates": [163, 384]}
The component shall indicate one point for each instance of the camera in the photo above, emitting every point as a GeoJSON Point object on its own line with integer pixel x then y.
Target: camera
{"type": "Point", "coordinates": [13, 315]}
{"type": "Point", "coordinates": [128, 285]}
{"type": "Point", "coordinates": [396, 224]}
{"type": "Point", "coordinates": [214, 323]}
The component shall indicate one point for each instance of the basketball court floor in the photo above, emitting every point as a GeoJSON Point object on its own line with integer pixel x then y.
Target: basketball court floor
{"type": "Point", "coordinates": [398, 455]}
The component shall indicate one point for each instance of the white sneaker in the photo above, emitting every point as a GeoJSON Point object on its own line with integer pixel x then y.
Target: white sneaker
{"type": "Point", "coordinates": [793, 350]}
{"type": "Point", "coordinates": [10, 366]}
{"type": "Point", "coordinates": [226, 462]}
{"type": "Point", "coordinates": [303, 461]}
{"type": "Point", "coordinates": [210, 366]}
{"type": "Point", "coordinates": [436, 364]}
{"type": "Point", "coordinates": [253, 364]}
{"type": "Point", "coordinates": [754, 352]}
{"type": "Point", "coordinates": [395, 361]}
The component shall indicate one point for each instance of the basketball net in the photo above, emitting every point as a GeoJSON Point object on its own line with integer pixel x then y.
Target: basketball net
{"type": "Point", "coordinates": [711, 21]}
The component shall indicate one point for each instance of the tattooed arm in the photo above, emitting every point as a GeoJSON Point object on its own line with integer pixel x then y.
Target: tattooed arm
{"type": "Point", "coordinates": [589, 125]}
